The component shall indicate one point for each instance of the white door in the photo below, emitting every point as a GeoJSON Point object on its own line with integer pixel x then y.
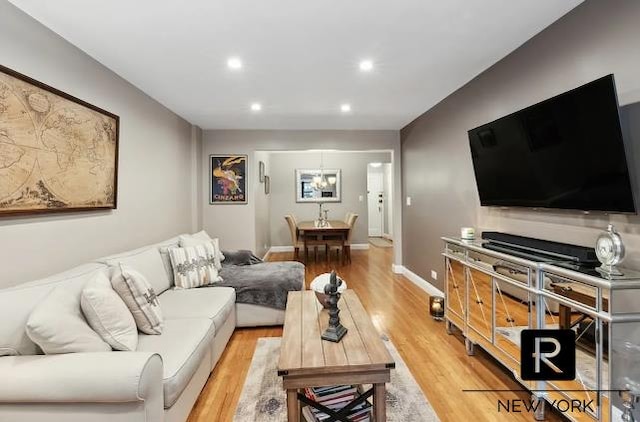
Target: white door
{"type": "Point", "coordinates": [375, 200]}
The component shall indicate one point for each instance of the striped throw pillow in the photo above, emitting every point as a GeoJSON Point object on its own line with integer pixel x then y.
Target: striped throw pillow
{"type": "Point", "coordinates": [140, 298]}
{"type": "Point", "coordinates": [194, 266]}
{"type": "Point", "coordinates": [202, 238]}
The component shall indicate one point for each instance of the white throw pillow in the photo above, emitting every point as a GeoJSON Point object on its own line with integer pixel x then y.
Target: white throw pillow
{"type": "Point", "coordinates": [200, 238]}
{"type": "Point", "coordinates": [138, 295]}
{"type": "Point", "coordinates": [194, 266]}
{"type": "Point", "coordinates": [108, 315]}
{"type": "Point", "coordinates": [57, 325]}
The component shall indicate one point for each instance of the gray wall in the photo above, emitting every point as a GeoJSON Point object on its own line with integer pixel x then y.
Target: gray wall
{"type": "Point", "coordinates": [595, 39]}
{"type": "Point", "coordinates": [154, 196]}
{"type": "Point", "coordinates": [354, 184]}
{"type": "Point", "coordinates": [235, 225]}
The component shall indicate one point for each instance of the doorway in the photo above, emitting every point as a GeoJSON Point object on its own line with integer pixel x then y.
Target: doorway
{"type": "Point", "coordinates": [379, 200]}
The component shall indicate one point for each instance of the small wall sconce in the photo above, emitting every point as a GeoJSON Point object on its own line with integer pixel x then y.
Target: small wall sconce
{"type": "Point", "coordinates": [436, 307]}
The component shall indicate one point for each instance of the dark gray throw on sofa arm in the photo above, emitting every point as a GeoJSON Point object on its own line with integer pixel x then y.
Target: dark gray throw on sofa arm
{"type": "Point", "coordinates": [241, 257]}
{"type": "Point", "coordinates": [261, 283]}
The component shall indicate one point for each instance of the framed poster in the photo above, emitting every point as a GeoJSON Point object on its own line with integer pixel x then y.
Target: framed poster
{"type": "Point", "coordinates": [228, 179]}
{"type": "Point", "coordinates": [57, 152]}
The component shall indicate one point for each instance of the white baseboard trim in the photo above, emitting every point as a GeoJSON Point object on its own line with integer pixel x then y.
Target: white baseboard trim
{"type": "Point", "coordinates": [266, 255]}
{"type": "Point", "coordinates": [417, 280]}
{"type": "Point", "coordinates": [358, 246]}
{"type": "Point", "coordinates": [280, 249]}
{"type": "Point", "coordinates": [387, 236]}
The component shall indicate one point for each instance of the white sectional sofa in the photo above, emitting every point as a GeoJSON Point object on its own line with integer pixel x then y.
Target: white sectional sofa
{"type": "Point", "coordinates": [158, 382]}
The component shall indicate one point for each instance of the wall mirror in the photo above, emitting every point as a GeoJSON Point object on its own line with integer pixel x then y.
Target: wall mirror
{"type": "Point", "coordinates": [318, 185]}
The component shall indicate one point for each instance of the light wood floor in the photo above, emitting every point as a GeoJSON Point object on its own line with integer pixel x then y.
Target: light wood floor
{"type": "Point", "coordinates": [398, 309]}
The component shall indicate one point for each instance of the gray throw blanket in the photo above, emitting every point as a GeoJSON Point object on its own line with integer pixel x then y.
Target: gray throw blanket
{"type": "Point", "coordinates": [240, 257]}
{"type": "Point", "coordinates": [265, 283]}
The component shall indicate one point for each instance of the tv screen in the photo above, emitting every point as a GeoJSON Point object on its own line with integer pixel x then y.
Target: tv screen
{"type": "Point", "coordinates": [566, 152]}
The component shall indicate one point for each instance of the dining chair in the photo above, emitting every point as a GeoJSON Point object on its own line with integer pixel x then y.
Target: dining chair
{"type": "Point", "coordinates": [295, 238]}
{"type": "Point", "coordinates": [339, 245]}
{"type": "Point", "coordinates": [347, 246]}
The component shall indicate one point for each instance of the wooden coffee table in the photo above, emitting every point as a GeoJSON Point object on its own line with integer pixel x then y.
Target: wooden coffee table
{"type": "Point", "coordinates": [308, 361]}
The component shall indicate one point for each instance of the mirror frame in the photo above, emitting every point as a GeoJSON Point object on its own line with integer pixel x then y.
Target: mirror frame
{"type": "Point", "coordinates": [337, 198]}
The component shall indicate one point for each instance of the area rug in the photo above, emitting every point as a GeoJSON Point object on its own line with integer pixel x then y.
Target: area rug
{"type": "Point", "coordinates": [381, 242]}
{"type": "Point", "coordinates": [263, 398]}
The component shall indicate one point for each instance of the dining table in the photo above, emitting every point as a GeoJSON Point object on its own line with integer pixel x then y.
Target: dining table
{"type": "Point", "coordinates": [333, 232]}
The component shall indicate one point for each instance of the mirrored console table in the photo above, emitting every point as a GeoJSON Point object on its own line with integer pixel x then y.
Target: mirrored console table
{"type": "Point", "coordinates": [491, 296]}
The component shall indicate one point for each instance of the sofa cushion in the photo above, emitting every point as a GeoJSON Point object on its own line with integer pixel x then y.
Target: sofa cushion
{"type": "Point", "coordinates": [183, 345]}
{"type": "Point", "coordinates": [146, 261]}
{"type": "Point", "coordinates": [164, 247]}
{"type": "Point", "coordinates": [57, 324]}
{"type": "Point", "coordinates": [108, 315]}
{"type": "Point", "coordinates": [215, 303]}
{"type": "Point", "coordinates": [17, 303]}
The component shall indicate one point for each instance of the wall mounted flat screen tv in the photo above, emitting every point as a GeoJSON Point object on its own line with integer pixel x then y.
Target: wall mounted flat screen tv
{"type": "Point", "coordinates": [566, 152]}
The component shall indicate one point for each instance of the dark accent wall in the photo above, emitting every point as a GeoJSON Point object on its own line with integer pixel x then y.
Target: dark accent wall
{"type": "Point", "coordinates": [597, 38]}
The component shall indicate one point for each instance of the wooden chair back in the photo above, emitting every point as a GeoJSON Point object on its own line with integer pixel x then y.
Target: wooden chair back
{"type": "Point", "coordinates": [351, 223]}
{"type": "Point", "coordinates": [293, 228]}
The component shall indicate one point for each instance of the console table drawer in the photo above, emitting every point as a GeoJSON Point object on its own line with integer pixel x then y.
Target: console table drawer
{"type": "Point", "coordinates": [567, 290]}
{"type": "Point", "coordinates": [515, 272]}
{"type": "Point", "coordinates": [455, 250]}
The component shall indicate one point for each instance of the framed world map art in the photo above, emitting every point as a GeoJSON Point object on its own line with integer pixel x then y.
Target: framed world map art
{"type": "Point", "coordinates": [57, 153]}
{"type": "Point", "coordinates": [228, 179]}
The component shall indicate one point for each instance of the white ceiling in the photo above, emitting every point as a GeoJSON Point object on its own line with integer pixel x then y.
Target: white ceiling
{"type": "Point", "coordinates": [300, 57]}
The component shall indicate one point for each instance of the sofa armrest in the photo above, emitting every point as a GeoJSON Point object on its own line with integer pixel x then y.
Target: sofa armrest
{"type": "Point", "coordinates": [109, 377]}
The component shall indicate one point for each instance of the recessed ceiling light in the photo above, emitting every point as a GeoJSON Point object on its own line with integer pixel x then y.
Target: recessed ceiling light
{"type": "Point", "coordinates": [234, 63]}
{"type": "Point", "coordinates": [256, 106]}
{"type": "Point", "coordinates": [345, 108]}
{"type": "Point", "coordinates": [366, 65]}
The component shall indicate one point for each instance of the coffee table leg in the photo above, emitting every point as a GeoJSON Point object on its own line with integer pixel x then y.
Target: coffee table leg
{"type": "Point", "coordinates": [379, 403]}
{"type": "Point", "coordinates": [293, 406]}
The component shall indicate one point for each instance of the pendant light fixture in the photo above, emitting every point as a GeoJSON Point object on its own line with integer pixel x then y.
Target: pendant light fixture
{"type": "Point", "coordinates": [321, 181]}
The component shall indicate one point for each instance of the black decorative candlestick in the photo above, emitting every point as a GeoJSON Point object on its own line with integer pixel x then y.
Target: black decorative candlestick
{"type": "Point", "coordinates": [335, 331]}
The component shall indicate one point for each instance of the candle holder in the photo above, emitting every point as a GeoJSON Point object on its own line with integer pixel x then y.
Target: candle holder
{"type": "Point", "coordinates": [436, 307]}
{"type": "Point", "coordinates": [335, 331]}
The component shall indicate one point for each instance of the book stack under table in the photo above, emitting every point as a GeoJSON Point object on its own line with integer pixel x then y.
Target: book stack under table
{"type": "Point", "coordinates": [335, 398]}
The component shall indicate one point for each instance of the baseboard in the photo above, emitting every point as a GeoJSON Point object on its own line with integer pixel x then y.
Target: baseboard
{"type": "Point", "coordinates": [360, 246]}
{"type": "Point", "coordinates": [281, 249]}
{"type": "Point", "coordinates": [387, 236]}
{"type": "Point", "coordinates": [266, 255]}
{"type": "Point", "coordinates": [417, 280]}
{"type": "Point", "coordinates": [273, 249]}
